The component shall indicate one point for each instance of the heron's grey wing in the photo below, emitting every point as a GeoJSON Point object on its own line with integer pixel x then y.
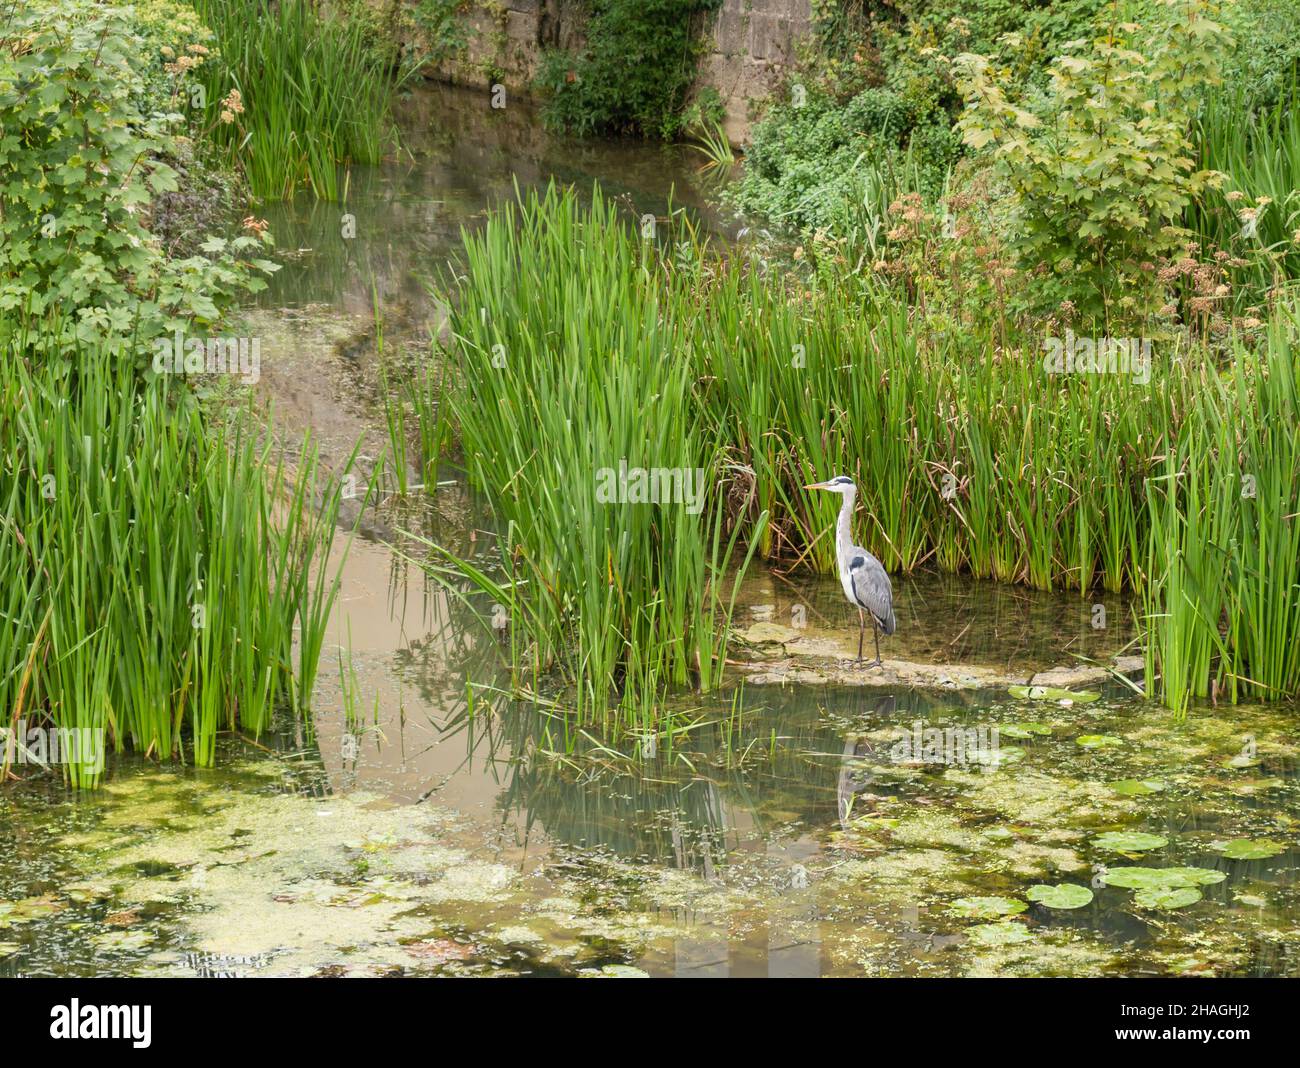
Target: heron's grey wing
{"type": "Point", "coordinates": [872, 588]}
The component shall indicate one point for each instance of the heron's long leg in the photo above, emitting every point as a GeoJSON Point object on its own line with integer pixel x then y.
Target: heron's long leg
{"type": "Point", "coordinates": [862, 626]}
{"type": "Point", "coordinates": [876, 631]}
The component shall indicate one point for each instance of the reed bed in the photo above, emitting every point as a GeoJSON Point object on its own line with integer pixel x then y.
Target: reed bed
{"type": "Point", "coordinates": [578, 343]}
{"type": "Point", "coordinates": [1259, 152]}
{"type": "Point", "coordinates": [572, 366]}
{"type": "Point", "coordinates": [315, 94]}
{"type": "Point", "coordinates": [159, 569]}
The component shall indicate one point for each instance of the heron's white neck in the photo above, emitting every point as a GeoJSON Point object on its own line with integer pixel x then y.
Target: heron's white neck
{"type": "Point", "coordinates": [844, 525]}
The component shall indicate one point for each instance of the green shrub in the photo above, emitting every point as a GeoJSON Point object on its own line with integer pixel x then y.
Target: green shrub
{"type": "Point", "coordinates": [1266, 59]}
{"type": "Point", "coordinates": [1101, 162]}
{"type": "Point", "coordinates": [809, 165]}
{"type": "Point", "coordinates": [634, 74]}
{"type": "Point", "coordinates": [80, 167]}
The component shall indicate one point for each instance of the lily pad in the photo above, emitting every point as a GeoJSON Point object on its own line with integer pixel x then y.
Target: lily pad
{"type": "Point", "coordinates": [1199, 876]}
{"type": "Point", "coordinates": [1130, 841]}
{"type": "Point", "coordinates": [1136, 787]}
{"type": "Point", "coordinates": [999, 934]}
{"type": "Point", "coordinates": [1003, 754]}
{"type": "Point", "coordinates": [984, 908]}
{"type": "Point", "coordinates": [1024, 730]}
{"type": "Point", "coordinates": [27, 909]}
{"type": "Point", "coordinates": [1052, 693]}
{"type": "Point", "coordinates": [1098, 741]}
{"type": "Point", "coordinates": [1249, 848]}
{"type": "Point", "coordinates": [1174, 897]}
{"type": "Point", "coordinates": [1138, 878]}
{"type": "Point", "coordinates": [88, 891]}
{"type": "Point", "coordinates": [1061, 896]}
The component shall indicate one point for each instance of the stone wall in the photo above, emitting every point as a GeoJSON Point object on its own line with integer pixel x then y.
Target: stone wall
{"type": "Point", "coordinates": [752, 45]}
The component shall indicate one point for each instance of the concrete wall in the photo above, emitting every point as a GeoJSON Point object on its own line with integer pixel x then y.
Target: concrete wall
{"type": "Point", "coordinates": [752, 45]}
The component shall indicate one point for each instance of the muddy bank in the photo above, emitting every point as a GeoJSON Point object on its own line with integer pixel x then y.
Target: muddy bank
{"type": "Point", "coordinates": [772, 654]}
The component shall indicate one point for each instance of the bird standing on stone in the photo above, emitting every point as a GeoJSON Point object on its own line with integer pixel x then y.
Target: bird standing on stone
{"type": "Point", "coordinates": [865, 581]}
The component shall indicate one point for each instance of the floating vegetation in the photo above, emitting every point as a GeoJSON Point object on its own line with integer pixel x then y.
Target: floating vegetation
{"type": "Point", "coordinates": [1052, 693]}
{"type": "Point", "coordinates": [1098, 741]}
{"type": "Point", "coordinates": [986, 907]}
{"type": "Point", "coordinates": [1136, 787]}
{"type": "Point", "coordinates": [999, 934]}
{"type": "Point", "coordinates": [1139, 878]}
{"type": "Point", "coordinates": [1249, 849]}
{"type": "Point", "coordinates": [1060, 896]}
{"type": "Point", "coordinates": [1025, 730]}
{"type": "Point", "coordinates": [1130, 841]}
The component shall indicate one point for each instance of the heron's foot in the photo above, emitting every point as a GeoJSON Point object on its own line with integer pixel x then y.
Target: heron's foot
{"type": "Point", "coordinates": [876, 663]}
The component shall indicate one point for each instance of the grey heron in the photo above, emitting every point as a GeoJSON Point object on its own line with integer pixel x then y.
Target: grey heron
{"type": "Point", "coordinates": [865, 581]}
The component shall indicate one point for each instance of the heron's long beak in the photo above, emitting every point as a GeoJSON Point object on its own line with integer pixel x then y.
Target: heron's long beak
{"type": "Point", "coordinates": [818, 485]}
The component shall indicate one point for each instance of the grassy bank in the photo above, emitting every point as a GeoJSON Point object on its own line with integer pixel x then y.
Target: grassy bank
{"type": "Point", "coordinates": [578, 343]}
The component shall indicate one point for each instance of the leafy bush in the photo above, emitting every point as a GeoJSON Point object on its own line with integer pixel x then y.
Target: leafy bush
{"type": "Point", "coordinates": [1100, 163]}
{"type": "Point", "coordinates": [80, 166]}
{"type": "Point", "coordinates": [634, 73]}
{"type": "Point", "coordinates": [809, 164]}
{"type": "Point", "coordinates": [878, 96]}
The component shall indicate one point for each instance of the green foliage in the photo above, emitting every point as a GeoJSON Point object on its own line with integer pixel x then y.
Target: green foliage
{"type": "Point", "coordinates": [971, 450]}
{"type": "Point", "coordinates": [950, 27]}
{"type": "Point", "coordinates": [442, 26]}
{"type": "Point", "coordinates": [294, 94]}
{"type": "Point", "coordinates": [572, 363]}
{"type": "Point", "coordinates": [401, 33]}
{"type": "Point", "coordinates": [1101, 163]}
{"type": "Point", "coordinates": [1255, 214]}
{"type": "Point", "coordinates": [813, 164]}
{"type": "Point", "coordinates": [1263, 67]}
{"type": "Point", "coordinates": [873, 99]}
{"type": "Point", "coordinates": [634, 73]}
{"type": "Point", "coordinates": [158, 571]}
{"type": "Point", "coordinates": [80, 167]}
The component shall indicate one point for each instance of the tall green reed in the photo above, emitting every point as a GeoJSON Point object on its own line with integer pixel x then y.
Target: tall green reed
{"type": "Point", "coordinates": [571, 354]}
{"type": "Point", "coordinates": [577, 345]}
{"type": "Point", "coordinates": [315, 94]}
{"type": "Point", "coordinates": [160, 571]}
{"type": "Point", "coordinates": [1260, 155]}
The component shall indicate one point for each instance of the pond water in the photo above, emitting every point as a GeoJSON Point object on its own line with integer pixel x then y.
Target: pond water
{"type": "Point", "coordinates": [428, 825]}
